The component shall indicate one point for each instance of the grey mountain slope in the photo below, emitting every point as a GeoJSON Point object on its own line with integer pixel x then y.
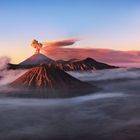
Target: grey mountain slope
{"type": "Point", "coordinates": [37, 59]}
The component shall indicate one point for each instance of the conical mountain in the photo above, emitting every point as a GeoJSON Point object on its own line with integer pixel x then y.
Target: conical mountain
{"type": "Point", "coordinates": [37, 59]}
{"type": "Point", "coordinates": [50, 82]}
{"type": "Point", "coordinates": [47, 76]}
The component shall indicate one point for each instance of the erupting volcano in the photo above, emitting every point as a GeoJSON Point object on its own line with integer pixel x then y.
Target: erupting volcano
{"type": "Point", "coordinates": [70, 65]}
{"type": "Point", "coordinates": [37, 59]}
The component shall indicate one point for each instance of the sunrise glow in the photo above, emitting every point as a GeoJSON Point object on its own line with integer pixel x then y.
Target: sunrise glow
{"type": "Point", "coordinates": [96, 25]}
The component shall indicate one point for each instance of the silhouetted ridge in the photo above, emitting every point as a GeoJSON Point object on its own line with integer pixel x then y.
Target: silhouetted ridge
{"type": "Point", "coordinates": [83, 65]}
{"type": "Point", "coordinates": [88, 59]}
{"type": "Point", "coordinates": [70, 65]}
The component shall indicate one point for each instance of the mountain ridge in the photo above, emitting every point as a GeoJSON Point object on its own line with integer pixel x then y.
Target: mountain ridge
{"type": "Point", "coordinates": [50, 81]}
{"type": "Point", "coordinates": [69, 65]}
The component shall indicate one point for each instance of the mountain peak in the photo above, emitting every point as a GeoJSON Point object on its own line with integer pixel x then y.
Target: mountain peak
{"type": "Point", "coordinates": [89, 59]}
{"type": "Point", "coordinates": [51, 82]}
{"type": "Point", "coordinates": [37, 59]}
{"type": "Point", "coordinates": [47, 76]}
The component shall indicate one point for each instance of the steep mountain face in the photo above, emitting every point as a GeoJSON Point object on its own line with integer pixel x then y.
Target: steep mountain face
{"type": "Point", "coordinates": [47, 81]}
{"type": "Point", "coordinates": [37, 59]}
{"type": "Point", "coordinates": [47, 76]}
{"type": "Point", "coordinates": [33, 61]}
{"type": "Point", "coordinates": [83, 65]}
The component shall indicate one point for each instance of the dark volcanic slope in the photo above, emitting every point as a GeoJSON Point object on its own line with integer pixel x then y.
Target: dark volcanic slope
{"type": "Point", "coordinates": [48, 77]}
{"type": "Point", "coordinates": [50, 82]}
{"type": "Point", "coordinates": [86, 64]}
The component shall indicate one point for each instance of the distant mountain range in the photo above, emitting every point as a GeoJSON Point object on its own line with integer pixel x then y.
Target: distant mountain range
{"type": "Point", "coordinates": [81, 65]}
{"type": "Point", "coordinates": [70, 65]}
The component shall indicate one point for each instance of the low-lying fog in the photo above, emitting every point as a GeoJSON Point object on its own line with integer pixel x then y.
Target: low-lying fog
{"type": "Point", "coordinates": [111, 113]}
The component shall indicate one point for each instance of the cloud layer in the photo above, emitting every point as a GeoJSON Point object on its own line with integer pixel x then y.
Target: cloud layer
{"type": "Point", "coordinates": [3, 62]}
{"type": "Point", "coordinates": [7, 76]}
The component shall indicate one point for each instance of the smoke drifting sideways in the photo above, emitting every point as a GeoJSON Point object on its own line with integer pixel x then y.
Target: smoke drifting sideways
{"type": "Point", "coordinates": [57, 50]}
{"type": "Point", "coordinates": [60, 43]}
{"type": "Point", "coordinates": [7, 76]}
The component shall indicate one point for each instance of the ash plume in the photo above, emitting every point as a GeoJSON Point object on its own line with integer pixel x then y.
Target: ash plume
{"type": "Point", "coordinates": [60, 43]}
{"type": "Point", "coordinates": [35, 44]}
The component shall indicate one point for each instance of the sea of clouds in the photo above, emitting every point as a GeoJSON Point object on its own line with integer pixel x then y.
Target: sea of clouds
{"type": "Point", "coordinates": [111, 74]}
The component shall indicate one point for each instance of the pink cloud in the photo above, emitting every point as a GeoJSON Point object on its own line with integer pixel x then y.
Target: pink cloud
{"type": "Point", "coordinates": [105, 55]}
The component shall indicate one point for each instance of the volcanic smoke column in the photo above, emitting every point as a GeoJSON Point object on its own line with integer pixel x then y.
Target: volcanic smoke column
{"type": "Point", "coordinates": [36, 45]}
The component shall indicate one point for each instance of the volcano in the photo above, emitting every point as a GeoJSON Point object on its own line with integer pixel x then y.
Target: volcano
{"type": "Point", "coordinates": [37, 59]}
{"type": "Point", "coordinates": [32, 61]}
{"type": "Point", "coordinates": [48, 78]}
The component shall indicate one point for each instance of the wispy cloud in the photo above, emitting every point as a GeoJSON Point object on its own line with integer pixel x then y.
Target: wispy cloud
{"type": "Point", "coordinates": [60, 43]}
